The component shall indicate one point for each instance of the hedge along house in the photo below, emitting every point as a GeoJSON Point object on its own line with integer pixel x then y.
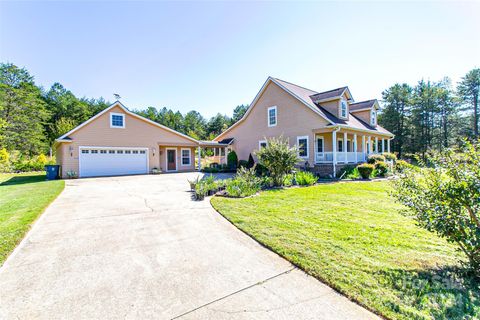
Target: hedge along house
{"type": "Point", "coordinates": [119, 142]}
{"type": "Point", "coordinates": [329, 128]}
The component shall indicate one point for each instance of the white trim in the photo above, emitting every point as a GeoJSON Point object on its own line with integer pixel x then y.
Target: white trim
{"type": "Point", "coordinates": [117, 114]}
{"type": "Point", "coordinates": [342, 101]}
{"type": "Point", "coordinates": [147, 151]}
{"type": "Point", "coordinates": [316, 143]}
{"type": "Point", "coordinates": [166, 159]}
{"type": "Point", "coordinates": [259, 94]}
{"type": "Point", "coordinates": [268, 116]}
{"type": "Point", "coordinates": [308, 146]}
{"type": "Point", "coordinates": [121, 106]}
{"type": "Point", "coordinates": [189, 157]}
{"type": "Point", "coordinates": [363, 130]}
{"type": "Point", "coordinates": [372, 112]}
{"type": "Point", "coordinates": [260, 142]}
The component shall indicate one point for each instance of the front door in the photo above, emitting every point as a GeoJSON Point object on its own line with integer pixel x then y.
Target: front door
{"type": "Point", "coordinates": [171, 160]}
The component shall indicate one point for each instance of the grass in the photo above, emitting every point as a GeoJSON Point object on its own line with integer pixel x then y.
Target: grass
{"type": "Point", "coordinates": [23, 197]}
{"type": "Point", "coordinates": [351, 236]}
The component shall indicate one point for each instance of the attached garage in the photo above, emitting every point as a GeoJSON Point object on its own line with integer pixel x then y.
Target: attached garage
{"type": "Point", "coordinates": [112, 161]}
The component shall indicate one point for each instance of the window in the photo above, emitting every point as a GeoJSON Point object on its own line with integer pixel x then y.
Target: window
{"type": "Point", "coordinates": [340, 145]}
{"type": "Point", "coordinates": [272, 116]}
{"type": "Point", "coordinates": [302, 143]}
{"type": "Point", "coordinates": [84, 151]}
{"type": "Point", "coordinates": [222, 152]}
{"type": "Point", "coordinates": [319, 144]}
{"type": "Point", "coordinates": [262, 144]}
{"type": "Point", "coordinates": [343, 109]}
{"type": "Point", "coordinates": [117, 120]}
{"type": "Point", "coordinates": [349, 146]}
{"type": "Point", "coordinates": [186, 157]}
{"type": "Point", "coordinates": [111, 151]}
{"type": "Point", "coordinates": [103, 151]}
{"type": "Point", "coordinates": [120, 151]}
{"type": "Point", "coordinates": [373, 117]}
{"type": "Point", "coordinates": [128, 151]}
{"type": "Point", "coordinates": [94, 151]}
{"type": "Point", "coordinates": [142, 151]}
{"type": "Point", "coordinates": [135, 151]}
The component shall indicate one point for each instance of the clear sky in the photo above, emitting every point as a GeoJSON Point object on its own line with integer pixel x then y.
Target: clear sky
{"type": "Point", "coordinates": [213, 56]}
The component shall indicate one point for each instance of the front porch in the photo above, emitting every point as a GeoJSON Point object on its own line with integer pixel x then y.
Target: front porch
{"type": "Point", "coordinates": [339, 146]}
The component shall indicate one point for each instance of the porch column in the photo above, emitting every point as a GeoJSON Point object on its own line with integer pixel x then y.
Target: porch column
{"type": "Point", "coordinates": [355, 146]}
{"type": "Point", "coordinates": [369, 149]}
{"type": "Point", "coordinates": [376, 144]}
{"type": "Point", "coordinates": [334, 150]}
{"type": "Point", "coordinates": [364, 148]}
{"type": "Point", "coordinates": [388, 145]}
{"type": "Point", "coordinates": [345, 154]}
{"type": "Point", "coordinates": [383, 145]}
{"type": "Point", "coordinates": [199, 155]}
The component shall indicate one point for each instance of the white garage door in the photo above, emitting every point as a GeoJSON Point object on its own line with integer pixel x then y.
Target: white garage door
{"type": "Point", "coordinates": [110, 161]}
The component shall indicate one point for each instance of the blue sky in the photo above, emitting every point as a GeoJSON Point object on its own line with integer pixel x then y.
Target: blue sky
{"type": "Point", "coordinates": [213, 56]}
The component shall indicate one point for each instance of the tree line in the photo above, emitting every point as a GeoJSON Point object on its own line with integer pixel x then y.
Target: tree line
{"type": "Point", "coordinates": [31, 117]}
{"type": "Point", "coordinates": [431, 115]}
{"type": "Point", "coordinates": [428, 115]}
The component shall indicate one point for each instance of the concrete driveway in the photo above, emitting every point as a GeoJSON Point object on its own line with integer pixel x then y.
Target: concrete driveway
{"type": "Point", "coordinates": [138, 247]}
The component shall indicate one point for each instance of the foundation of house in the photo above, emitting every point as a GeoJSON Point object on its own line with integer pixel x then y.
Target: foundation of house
{"type": "Point", "coordinates": [325, 170]}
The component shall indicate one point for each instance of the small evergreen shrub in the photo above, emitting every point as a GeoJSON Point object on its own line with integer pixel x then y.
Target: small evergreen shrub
{"type": "Point", "coordinates": [232, 160]}
{"type": "Point", "coordinates": [305, 178]}
{"type": "Point", "coordinates": [375, 158]}
{"type": "Point", "coordinates": [381, 168]}
{"type": "Point", "coordinates": [365, 170]}
{"type": "Point", "coordinates": [245, 184]}
{"type": "Point", "coordinates": [242, 163]}
{"type": "Point", "coordinates": [250, 162]}
{"type": "Point", "coordinates": [346, 171]}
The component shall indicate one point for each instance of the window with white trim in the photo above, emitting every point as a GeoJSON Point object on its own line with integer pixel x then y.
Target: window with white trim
{"type": "Point", "coordinates": [340, 145]}
{"type": "Point", "coordinates": [302, 144]}
{"type": "Point", "coordinates": [117, 120]}
{"type": "Point", "coordinates": [186, 158]}
{"type": "Point", "coordinates": [272, 116]}
{"type": "Point", "coordinates": [319, 144]}
{"type": "Point", "coordinates": [373, 117]}
{"type": "Point", "coordinates": [262, 144]}
{"type": "Point", "coordinates": [343, 109]}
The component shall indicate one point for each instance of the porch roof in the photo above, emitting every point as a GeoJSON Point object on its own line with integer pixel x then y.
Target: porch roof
{"type": "Point", "coordinates": [213, 144]}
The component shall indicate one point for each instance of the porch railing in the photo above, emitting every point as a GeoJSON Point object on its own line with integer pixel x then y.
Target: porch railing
{"type": "Point", "coordinates": [327, 157]}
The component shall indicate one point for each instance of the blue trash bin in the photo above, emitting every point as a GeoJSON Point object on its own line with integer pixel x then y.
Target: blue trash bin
{"type": "Point", "coordinates": [52, 171]}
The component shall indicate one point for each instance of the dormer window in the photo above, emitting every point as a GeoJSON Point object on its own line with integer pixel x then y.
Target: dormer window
{"type": "Point", "coordinates": [343, 109]}
{"type": "Point", "coordinates": [373, 117]}
{"type": "Point", "coordinates": [117, 120]}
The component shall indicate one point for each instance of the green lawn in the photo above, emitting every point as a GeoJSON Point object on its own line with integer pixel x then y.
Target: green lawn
{"type": "Point", "coordinates": [351, 236]}
{"type": "Point", "coordinates": [23, 197]}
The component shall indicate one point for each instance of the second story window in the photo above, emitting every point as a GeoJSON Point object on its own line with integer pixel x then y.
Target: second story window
{"type": "Point", "coordinates": [117, 120]}
{"type": "Point", "coordinates": [343, 109]}
{"type": "Point", "coordinates": [373, 117]}
{"type": "Point", "coordinates": [272, 116]}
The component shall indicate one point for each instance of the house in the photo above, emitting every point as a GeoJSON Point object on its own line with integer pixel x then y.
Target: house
{"type": "Point", "coordinates": [119, 142]}
{"type": "Point", "coordinates": [330, 129]}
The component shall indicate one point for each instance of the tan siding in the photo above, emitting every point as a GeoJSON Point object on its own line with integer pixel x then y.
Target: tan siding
{"type": "Point", "coordinates": [293, 119]}
{"type": "Point", "coordinates": [137, 133]}
{"type": "Point", "coordinates": [363, 115]}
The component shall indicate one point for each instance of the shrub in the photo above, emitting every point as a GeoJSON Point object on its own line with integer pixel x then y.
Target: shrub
{"type": "Point", "coordinates": [4, 160]}
{"type": "Point", "coordinates": [288, 180]}
{"type": "Point", "coordinates": [402, 165]}
{"type": "Point", "coordinates": [250, 162]}
{"type": "Point", "coordinates": [346, 171]}
{"type": "Point", "coordinates": [278, 158]}
{"type": "Point", "coordinates": [390, 156]}
{"type": "Point", "coordinates": [232, 160]}
{"type": "Point", "coordinates": [375, 158]}
{"type": "Point", "coordinates": [354, 174]}
{"type": "Point", "coordinates": [445, 199]}
{"type": "Point", "coordinates": [365, 170]}
{"type": "Point", "coordinates": [305, 178]}
{"type": "Point", "coordinates": [261, 170]}
{"type": "Point", "coordinates": [242, 163]}
{"type": "Point", "coordinates": [381, 168]}
{"type": "Point", "coordinates": [245, 184]}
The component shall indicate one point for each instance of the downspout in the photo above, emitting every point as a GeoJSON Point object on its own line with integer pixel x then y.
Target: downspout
{"type": "Point", "coordinates": [335, 153]}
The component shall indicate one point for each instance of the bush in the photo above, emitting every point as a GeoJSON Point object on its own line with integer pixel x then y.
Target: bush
{"type": "Point", "coordinates": [261, 170]}
{"type": "Point", "coordinates": [278, 158]}
{"type": "Point", "coordinates": [245, 184]}
{"type": "Point", "coordinates": [375, 158]}
{"type": "Point", "coordinates": [305, 178]}
{"type": "Point", "coordinates": [232, 160]}
{"type": "Point", "coordinates": [381, 168]}
{"type": "Point", "coordinates": [288, 180]}
{"type": "Point", "coordinates": [346, 171]}
{"type": "Point", "coordinates": [365, 170]}
{"type": "Point", "coordinates": [4, 160]}
{"type": "Point", "coordinates": [250, 162]}
{"type": "Point", "coordinates": [445, 199]}
{"type": "Point", "coordinates": [390, 156]}
{"type": "Point", "coordinates": [242, 163]}
{"type": "Point", "coordinates": [402, 165]}
{"type": "Point", "coordinates": [354, 174]}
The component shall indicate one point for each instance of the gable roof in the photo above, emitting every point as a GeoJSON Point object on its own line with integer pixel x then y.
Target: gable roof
{"type": "Point", "coordinates": [363, 105]}
{"type": "Point", "coordinates": [65, 137]}
{"type": "Point", "coordinates": [310, 98]}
